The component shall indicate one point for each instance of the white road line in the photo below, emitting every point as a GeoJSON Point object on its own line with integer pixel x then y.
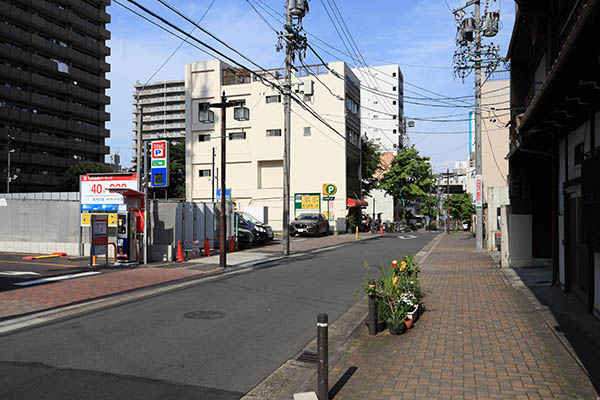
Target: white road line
{"type": "Point", "coordinates": [18, 273]}
{"type": "Point", "coordinates": [56, 278]}
{"type": "Point", "coordinates": [21, 324]}
{"type": "Point", "coordinates": [406, 237]}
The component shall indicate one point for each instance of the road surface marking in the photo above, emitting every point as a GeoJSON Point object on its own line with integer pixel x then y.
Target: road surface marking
{"type": "Point", "coordinates": [40, 263]}
{"type": "Point", "coordinates": [18, 273]}
{"type": "Point", "coordinates": [56, 278]}
{"type": "Point", "coordinates": [406, 237]}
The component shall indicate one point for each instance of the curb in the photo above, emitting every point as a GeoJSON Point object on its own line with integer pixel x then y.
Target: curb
{"type": "Point", "coordinates": [540, 317]}
{"type": "Point", "coordinates": [295, 376]}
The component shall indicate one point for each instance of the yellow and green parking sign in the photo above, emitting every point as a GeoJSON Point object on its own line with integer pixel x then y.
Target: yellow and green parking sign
{"type": "Point", "coordinates": [329, 189]}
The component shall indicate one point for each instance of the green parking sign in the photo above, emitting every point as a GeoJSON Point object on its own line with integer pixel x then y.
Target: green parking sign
{"type": "Point", "coordinates": [329, 189]}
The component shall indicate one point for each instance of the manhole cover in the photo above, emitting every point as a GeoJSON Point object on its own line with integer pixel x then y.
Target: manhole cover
{"type": "Point", "coordinates": [204, 315]}
{"type": "Point", "coordinates": [308, 357]}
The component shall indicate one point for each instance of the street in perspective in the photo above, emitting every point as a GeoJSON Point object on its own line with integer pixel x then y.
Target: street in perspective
{"type": "Point", "coordinates": [299, 200]}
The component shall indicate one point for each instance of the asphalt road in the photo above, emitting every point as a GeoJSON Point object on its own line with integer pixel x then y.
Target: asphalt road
{"type": "Point", "coordinates": [214, 340]}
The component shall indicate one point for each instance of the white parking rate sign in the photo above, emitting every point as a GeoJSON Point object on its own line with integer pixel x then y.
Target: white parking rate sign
{"type": "Point", "coordinates": [95, 194]}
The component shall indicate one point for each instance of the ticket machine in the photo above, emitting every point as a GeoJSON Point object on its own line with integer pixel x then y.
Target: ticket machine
{"type": "Point", "coordinates": [126, 237]}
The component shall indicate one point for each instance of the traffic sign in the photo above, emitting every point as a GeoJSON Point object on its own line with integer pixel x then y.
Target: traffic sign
{"type": "Point", "coordinates": [227, 194]}
{"type": "Point", "coordinates": [329, 189]}
{"type": "Point", "coordinates": [159, 149]}
{"type": "Point", "coordinates": [328, 198]}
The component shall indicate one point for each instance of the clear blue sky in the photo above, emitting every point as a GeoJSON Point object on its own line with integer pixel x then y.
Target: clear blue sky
{"type": "Point", "coordinates": [418, 35]}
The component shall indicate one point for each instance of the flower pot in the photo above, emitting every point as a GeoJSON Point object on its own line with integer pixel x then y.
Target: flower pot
{"type": "Point", "coordinates": [414, 314]}
{"type": "Point", "coordinates": [408, 323]}
{"type": "Point", "coordinates": [399, 330]}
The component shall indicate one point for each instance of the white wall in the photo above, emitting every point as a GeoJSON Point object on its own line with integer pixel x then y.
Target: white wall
{"type": "Point", "coordinates": [316, 159]}
{"type": "Point", "coordinates": [520, 239]}
{"type": "Point", "coordinates": [384, 204]}
{"type": "Point", "coordinates": [496, 198]}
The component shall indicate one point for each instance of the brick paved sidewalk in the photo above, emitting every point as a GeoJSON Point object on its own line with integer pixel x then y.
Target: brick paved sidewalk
{"type": "Point", "coordinates": [41, 297]}
{"type": "Point", "coordinates": [471, 343]}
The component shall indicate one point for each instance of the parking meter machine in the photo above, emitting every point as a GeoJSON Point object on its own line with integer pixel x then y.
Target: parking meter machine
{"type": "Point", "coordinates": [126, 238]}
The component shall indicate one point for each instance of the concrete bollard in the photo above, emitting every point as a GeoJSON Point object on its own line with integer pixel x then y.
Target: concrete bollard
{"type": "Point", "coordinates": [323, 349]}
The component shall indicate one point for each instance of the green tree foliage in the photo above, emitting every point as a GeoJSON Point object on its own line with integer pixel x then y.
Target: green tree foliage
{"type": "Point", "coordinates": [371, 155]}
{"type": "Point", "coordinates": [70, 180]}
{"type": "Point", "coordinates": [429, 207]}
{"type": "Point", "coordinates": [176, 188]}
{"type": "Point", "coordinates": [409, 178]}
{"type": "Point", "coordinates": [461, 206]}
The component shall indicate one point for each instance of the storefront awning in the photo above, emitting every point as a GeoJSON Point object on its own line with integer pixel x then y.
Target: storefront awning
{"type": "Point", "coordinates": [350, 202]}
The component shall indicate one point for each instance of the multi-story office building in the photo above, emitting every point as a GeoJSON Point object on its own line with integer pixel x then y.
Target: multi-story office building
{"type": "Point", "coordinates": [52, 88]}
{"type": "Point", "coordinates": [255, 147]}
{"type": "Point", "coordinates": [163, 110]}
{"type": "Point", "coordinates": [382, 107]}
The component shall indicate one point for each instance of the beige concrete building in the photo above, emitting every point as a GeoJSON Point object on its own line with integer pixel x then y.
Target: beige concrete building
{"type": "Point", "coordinates": [495, 97]}
{"type": "Point", "coordinates": [254, 173]}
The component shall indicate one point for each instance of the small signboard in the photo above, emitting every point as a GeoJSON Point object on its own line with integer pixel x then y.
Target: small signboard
{"type": "Point", "coordinates": [159, 165]}
{"type": "Point", "coordinates": [86, 219]}
{"type": "Point", "coordinates": [478, 191]}
{"type": "Point", "coordinates": [227, 194]}
{"type": "Point", "coordinates": [307, 202]}
{"type": "Point", "coordinates": [99, 234]}
{"type": "Point", "coordinates": [329, 189]}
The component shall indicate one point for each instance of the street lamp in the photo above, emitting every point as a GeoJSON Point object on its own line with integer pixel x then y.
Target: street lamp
{"type": "Point", "coordinates": [9, 177]}
{"type": "Point", "coordinates": [207, 116]}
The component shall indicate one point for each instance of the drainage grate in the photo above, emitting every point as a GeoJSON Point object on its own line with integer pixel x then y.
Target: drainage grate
{"type": "Point", "coordinates": [204, 315]}
{"type": "Point", "coordinates": [308, 357]}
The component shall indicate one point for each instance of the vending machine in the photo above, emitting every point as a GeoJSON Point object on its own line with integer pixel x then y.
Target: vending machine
{"type": "Point", "coordinates": [126, 237]}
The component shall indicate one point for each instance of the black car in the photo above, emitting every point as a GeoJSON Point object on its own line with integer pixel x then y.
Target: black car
{"type": "Point", "coordinates": [311, 224]}
{"type": "Point", "coordinates": [263, 233]}
{"type": "Point", "coordinates": [246, 238]}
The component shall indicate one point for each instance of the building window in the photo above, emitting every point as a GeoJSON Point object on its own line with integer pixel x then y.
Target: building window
{"type": "Point", "coordinates": [395, 130]}
{"type": "Point", "coordinates": [203, 172]}
{"type": "Point", "coordinates": [394, 116]}
{"type": "Point", "coordinates": [273, 99]}
{"type": "Point", "coordinates": [273, 132]}
{"type": "Point", "coordinates": [578, 156]}
{"type": "Point", "coordinates": [394, 89]}
{"type": "Point", "coordinates": [237, 135]}
{"type": "Point", "coordinates": [204, 138]}
{"type": "Point", "coordinates": [351, 105]}
{"type": "Point", "coordinates": [393, 74]}
{"type": "Point", "coordinates": [307, 131]}
{"type": "Point", "coordinates": [394, 102]}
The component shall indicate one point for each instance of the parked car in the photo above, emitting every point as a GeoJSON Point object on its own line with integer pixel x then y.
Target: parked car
{"type": "Point", "coordinates": [309, 223]}
{"type": "Point", "coordinates": [246, 238]}
{"type": "Point", "coordinates": [262, 232]}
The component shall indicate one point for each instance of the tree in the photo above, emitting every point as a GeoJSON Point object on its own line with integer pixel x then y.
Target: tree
{"type": "Point", "coordinates": [70, 180]}
{"type": "Point", "coordinates": [409, 178]}
{"type": "Point", "coordinates": [461, 206]}
{"type": "Point", "coordinates": [429, 207]}
{"type": "Point", "coordinates": [176, 188]}
{"type": "Point", "coordinates": [371, 156]}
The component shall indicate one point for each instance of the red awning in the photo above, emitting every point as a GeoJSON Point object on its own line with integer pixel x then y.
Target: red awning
{"type": "Point", "coordinates": [127, 193]}
{"type": "Point", "coordinates": [350, 202]}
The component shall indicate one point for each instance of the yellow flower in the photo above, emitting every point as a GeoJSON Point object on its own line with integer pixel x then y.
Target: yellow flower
{"type": "Point", "coordinates": [402, 265]}
{"type": "Point", "coordinates": [395, 280]}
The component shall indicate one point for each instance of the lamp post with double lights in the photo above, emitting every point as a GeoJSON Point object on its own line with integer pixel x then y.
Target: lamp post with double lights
{"type": "Point", "coordinates": [9, 176]}
{"type": "Point", "coordinates": [205, 116]}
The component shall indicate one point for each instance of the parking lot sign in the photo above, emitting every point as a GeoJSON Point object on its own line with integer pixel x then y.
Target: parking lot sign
{"type": "Point", "coordinates": [159, 165]}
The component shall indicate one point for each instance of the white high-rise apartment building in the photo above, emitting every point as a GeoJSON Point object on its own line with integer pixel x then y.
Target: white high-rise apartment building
{"type": "Point", "coordinates": [163, 107]}
{"type": "Point", "coordinates": [319, 156]}
{"type": "Point", "coordinates": [382, 106]}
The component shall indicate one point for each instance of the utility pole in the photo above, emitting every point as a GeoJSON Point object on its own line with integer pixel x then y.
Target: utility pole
{"type": "Point", "coordinates": [240, 113]}
{"type": "Point", "coordinates": [212, 176]}
{"type": "Point", "coordinates": [478, 158]}
{"type": "Point", "coordinates": [448, 199]}
{"type": "Point", "coordinates": [293, 41]}
{"type": "Point", "coordinates": [474, 57]}
{"type": "Point", "coordinates": [146, 208]}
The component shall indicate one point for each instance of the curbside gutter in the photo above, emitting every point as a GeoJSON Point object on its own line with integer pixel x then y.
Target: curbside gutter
{"type": "Point", "coordinates": [296, 376]}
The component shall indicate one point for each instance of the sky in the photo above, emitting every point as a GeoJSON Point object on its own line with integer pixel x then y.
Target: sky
{"type": "Point", "coordinates": [418, 35]}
